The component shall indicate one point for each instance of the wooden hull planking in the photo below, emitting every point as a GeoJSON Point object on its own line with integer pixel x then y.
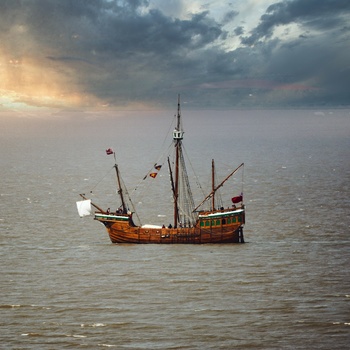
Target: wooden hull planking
{"type": "Point", "coordinates": [219, 227]}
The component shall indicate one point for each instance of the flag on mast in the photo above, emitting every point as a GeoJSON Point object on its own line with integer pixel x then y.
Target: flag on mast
{"type": "Point", "coordinates": [237, 199]}
{"type": "Point", "coordinates": [109, 151]}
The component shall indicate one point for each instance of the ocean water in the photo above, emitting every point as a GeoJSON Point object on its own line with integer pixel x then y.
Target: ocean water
{"type": "Point", "coordinates": [65, 286]}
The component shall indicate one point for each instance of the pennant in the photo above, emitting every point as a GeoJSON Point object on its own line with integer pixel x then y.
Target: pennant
{"type": "Point", "coordinates": [109, 151]}
{"type": "Point", "coordinates": [237, 199]}
{"type": "Point", "coordinates": [157, 167]}
{"type": "Point", "coordinates": [153, 175]}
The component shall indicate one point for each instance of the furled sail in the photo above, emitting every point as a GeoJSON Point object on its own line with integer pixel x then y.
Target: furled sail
{"type": "Point", "coordinates": [84, 208]}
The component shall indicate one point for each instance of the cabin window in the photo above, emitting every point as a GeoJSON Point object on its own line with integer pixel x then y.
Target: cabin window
{"type": "Point", "coordinates": [218, 222]}
{"type": "Point", "coordinates": [233, 219]}
{"type": "Point", "coordinates": [239, 219]}
{"type": "Point", "coordinates": [223, 221]}
{"type": "Point", "coordinates": [228, 221]}
{"type": "Point", "coordinates": [207, 223]}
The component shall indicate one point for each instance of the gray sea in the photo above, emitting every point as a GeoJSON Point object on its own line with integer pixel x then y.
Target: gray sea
{"type": "Point", "coordinates": [65, 286]}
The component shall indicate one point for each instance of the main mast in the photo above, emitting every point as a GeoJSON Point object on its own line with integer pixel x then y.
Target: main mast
{"type": "Point", "coordinates": [177, 137]}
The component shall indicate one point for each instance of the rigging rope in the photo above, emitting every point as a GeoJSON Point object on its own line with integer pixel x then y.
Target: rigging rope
{"type": "Point", "coordinates": [242, 179]}
{"type": "Point", "coordinates": [109, 171]}
{"type": "Point", "coordinates": [192, 168]}
{"type": "Point", "coordinates": [161, 157]}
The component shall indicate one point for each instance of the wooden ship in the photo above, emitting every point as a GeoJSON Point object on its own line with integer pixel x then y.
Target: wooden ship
{"type": "Point", "coordinates": [191, 225]}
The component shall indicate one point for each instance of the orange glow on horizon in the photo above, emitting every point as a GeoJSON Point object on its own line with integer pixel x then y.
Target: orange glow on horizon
{"type": "Point", "coordinates": [32, 83]}
{"type": "Point", "coordinates": [28, 84]}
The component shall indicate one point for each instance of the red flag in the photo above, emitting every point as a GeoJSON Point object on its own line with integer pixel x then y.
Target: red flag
{"type": "Point", "coordinates": [153, 175]}
{"type": "Point", "coordinates": [237, 199]}
{"type": "Point", "coordinates": [109, 151]}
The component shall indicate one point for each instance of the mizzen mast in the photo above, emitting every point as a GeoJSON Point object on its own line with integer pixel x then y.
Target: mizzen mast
{"type": "Point", "coordinates": [212, 193]}
{"type": "Point", "coordinates": [213, 183]}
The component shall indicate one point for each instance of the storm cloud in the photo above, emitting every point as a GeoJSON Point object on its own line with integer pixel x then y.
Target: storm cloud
{"type": "Point", "coordinates": [90, 53]}
{"type": "Point", "coordinates": [312, 14]}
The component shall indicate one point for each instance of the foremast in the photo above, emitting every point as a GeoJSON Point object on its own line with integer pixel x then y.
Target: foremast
{"type": "Point", "coordinates": [120, 189]}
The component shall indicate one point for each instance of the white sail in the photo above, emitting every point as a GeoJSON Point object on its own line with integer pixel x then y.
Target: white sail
{"type": "Point", "coordinates": [84, 208]}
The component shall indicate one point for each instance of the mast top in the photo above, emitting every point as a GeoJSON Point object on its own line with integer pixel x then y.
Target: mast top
{"type": "Point", "coordinates": [178, 133]}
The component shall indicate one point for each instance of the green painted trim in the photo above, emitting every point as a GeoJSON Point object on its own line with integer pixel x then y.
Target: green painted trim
{"type": "Point", "coordinates": [111, 217]}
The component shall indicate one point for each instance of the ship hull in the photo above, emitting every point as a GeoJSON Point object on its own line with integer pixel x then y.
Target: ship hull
{"type": "Point", "coordinates": [172, 236]}
{"type": "Point", "coordinates": [219, 227]}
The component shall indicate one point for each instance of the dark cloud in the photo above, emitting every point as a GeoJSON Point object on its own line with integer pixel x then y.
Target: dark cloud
{"type": "Point", "coordinates": [86, 25]}
{"type": "Point", "coordinates": [123, 51]}
{"type": "Point", "coordinates": [230, 16]}
{"type": "Point", "coordinates": [132, 48]}
{"type": "Point", "coordinates": [67, 59]}
{"type": "Point", "coordinates": [239, 30]}
{"type": "Point", "coordinates": [318, 57]}
{"type": "Point", "coordinates": [323, 14]}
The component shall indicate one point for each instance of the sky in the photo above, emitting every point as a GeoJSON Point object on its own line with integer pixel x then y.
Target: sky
{"type": "Point", "coordinates": [140, 54]}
